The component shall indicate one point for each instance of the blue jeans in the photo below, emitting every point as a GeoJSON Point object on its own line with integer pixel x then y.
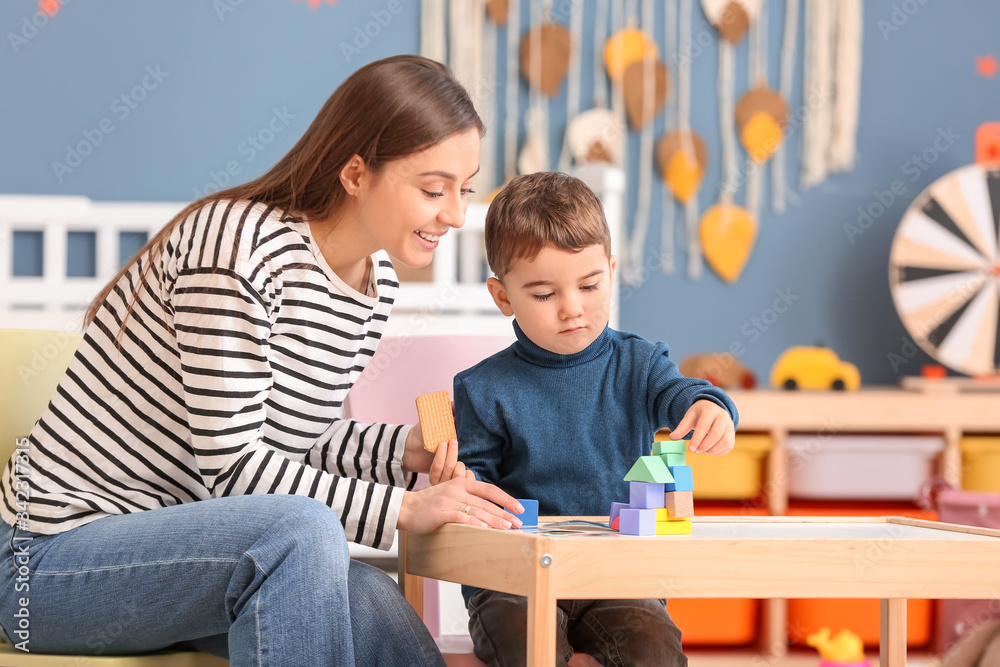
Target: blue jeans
{"type": "Point", "coordinates": [622, 633]}
{"type": "Point", "coordinates": [260, 579]}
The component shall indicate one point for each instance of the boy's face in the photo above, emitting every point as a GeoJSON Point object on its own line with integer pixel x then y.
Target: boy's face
{"type": "Point", "coordinates": [561, 299]}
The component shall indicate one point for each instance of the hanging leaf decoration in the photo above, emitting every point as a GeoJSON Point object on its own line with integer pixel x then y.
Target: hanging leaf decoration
{"type": "Point", "coordinates": [634, 87]}
{"type": "Point", "coordinates": [728, 233]}
{"type": "Point", "coordinates": [761, 115]}
{"type": "Point", "coordinates": [555, 44]}
{"type": "Point", "coordinates": [682, 156]}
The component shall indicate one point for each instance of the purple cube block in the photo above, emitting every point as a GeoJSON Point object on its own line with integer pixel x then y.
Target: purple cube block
{"type": "Point", "coordinates": [645, 495]}
{"type": "Point", "coordinates": [615, 509]}
{"type": "Point", "coordinates": [637, 522]}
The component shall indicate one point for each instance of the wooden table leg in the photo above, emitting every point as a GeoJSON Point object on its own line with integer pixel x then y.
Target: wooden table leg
{"type": "Point", "coordinates": [412, 585]}
{"type": "Point", "coordinates": [892, 647]}
{"type": "Point", "coordinates": [542, 613]}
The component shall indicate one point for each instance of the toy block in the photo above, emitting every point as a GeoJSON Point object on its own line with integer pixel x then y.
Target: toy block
{"type": "Point", "coordinates": [661, 447]}
{"type": "Point", "coordinates": [644, 495]}
{"type": "Point", "coordinates": [649, 469]}
{"type": "Point", "coordinates": [614, 524]}
{"type": "Point", "coordinates": [671, 459]}
{"type": "Point", "coordinates": [683, 479]}
{"type": "Point", "coordinates": [637, 522]}
{"type": "Point", "coordinates": [615, 509]}
{"type": "Point", "coordinates": [678, 527]}
{"type": "Point", "coordinates": [530, 515]}
{"type": "Point", "coordinates": [679, 504]}
{"type": "Point", "coordinates": [437, 422]}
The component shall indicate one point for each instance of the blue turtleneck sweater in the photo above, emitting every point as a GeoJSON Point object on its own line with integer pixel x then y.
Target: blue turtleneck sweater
{"type": "Point", "coordinates": [566, 429]}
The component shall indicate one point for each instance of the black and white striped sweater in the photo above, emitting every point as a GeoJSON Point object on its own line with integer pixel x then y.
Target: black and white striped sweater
{"type": "Point", "coordinates": [230, 377]}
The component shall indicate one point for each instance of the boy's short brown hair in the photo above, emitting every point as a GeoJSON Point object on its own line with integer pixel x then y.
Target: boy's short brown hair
{"type": "Point", "coordinates": [547, 208]}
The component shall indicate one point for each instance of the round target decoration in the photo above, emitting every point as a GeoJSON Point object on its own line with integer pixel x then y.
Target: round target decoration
{"type": "Point", "coordinates": [944, 270]}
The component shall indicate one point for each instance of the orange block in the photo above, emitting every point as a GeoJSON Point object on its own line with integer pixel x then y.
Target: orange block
{"type": "Point", "coordinates": [437, 422]}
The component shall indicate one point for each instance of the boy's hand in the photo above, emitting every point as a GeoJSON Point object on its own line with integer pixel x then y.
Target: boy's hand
{"type": "Point", "coordinates": [713, 428]}
{"type": "Point", "coordinates": [446, 464]}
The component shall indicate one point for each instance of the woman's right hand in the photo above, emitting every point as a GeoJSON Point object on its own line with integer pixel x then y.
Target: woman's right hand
{"type": "Point", "coordinates": [425, 510]}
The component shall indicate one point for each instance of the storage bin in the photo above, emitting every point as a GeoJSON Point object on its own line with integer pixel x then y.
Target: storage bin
{"type": "Point", "coordinates": [873, 467]}
{"type": "Point", "coordinates": [734, 476]}
{"type": "Point", "coordinates": [859, 616]}
{"type": "Point", "coordinates": [715, 621]}
{"type": "Point", "coordinates": [980, 463]}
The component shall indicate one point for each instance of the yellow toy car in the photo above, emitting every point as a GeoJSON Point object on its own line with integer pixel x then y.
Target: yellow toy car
{"type": "Point", "coordinates": [805, 367]}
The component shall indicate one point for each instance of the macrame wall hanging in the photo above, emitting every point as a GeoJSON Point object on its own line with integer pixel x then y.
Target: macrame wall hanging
{"type": "Point", "coordinates": [642, 87]}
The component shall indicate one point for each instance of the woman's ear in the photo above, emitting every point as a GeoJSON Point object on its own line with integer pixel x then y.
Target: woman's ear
{"type": "Point", "coordinates": [352, 173]}
{"type": "Point", "coordinates": [499, 294]}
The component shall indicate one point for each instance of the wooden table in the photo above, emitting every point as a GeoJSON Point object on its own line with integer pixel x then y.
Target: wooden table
{"type": "Point", "coordinates": [752, 557]}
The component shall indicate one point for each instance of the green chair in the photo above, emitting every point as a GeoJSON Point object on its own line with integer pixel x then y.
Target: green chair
{"type": "Point", "coordinates": [31, 364]}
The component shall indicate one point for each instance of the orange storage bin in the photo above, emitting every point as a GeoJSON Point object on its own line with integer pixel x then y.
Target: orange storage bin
{"type": "Point", "coordinates": [715, 621]}
{"type": "Point", "coordinates": [859, 616]}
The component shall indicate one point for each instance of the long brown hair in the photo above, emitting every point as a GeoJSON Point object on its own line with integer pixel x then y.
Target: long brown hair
{"type": "Point", "coordinates": [386, 110]}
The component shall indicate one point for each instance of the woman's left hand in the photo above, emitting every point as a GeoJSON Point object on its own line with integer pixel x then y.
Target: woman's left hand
{"type": "Point", "coordinates": [441, 466]}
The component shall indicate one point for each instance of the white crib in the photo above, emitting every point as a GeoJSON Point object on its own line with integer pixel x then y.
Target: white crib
{"type": "Point", "coordinates": [454, 299]}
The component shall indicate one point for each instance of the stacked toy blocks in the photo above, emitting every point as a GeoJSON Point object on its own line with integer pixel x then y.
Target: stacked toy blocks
{"type": "Point", "coordinates": [661, 498]}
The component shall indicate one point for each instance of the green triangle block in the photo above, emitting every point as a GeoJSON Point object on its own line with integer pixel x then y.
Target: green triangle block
{"type": "Point", "coordinates": [669, 447]}
{"type": "Point", "coordinates": [649, 469]}
{"type": "Point", "coordinates": [671, 459]}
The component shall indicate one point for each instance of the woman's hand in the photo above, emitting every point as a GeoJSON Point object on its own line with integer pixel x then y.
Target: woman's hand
{"type": "Point", "coordinates": [459, 500]}
{"type": "Point", "coordinates": [446, 464]}
{"type": "Point", "coordinates": [415, 457]}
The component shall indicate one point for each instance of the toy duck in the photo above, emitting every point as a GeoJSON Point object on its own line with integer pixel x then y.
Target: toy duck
{"type": "Point", "coordinates": [844, 649]}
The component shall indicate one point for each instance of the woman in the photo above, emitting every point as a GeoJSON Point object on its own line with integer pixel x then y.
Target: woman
{"type": "Point", "coordinates": [192, 483]}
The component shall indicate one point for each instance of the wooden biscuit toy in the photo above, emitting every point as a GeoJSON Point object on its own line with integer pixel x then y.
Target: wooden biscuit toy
{"type": "Point", "coordinates": [437, 423]}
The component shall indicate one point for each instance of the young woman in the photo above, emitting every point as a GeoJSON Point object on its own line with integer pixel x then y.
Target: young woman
{"type": "Point", "coordinates": [192, 482]}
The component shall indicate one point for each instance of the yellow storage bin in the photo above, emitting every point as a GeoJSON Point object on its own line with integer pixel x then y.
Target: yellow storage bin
{"type": "Point", "coordinates": [980, 463]}
{"type": "Point", "coordinates": [734, 476]}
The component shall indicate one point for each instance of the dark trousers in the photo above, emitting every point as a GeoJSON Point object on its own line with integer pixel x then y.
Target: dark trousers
{"type": "Point", "coordinates": [624, 633]}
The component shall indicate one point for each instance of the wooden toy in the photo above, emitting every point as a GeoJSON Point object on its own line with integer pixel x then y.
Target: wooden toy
{"type": "Point", "coordinates": [678, 527]}
{"type": "Point", "coordinates": [646, 495]}
{"type": "Point", "coordinates": [637, 521]}
{"type": "Point", "coordinates": [529, 517]}
{"type": "Point", "coordinates": [649, 469]}
{"type": "Point", "coordinates": [437, 422]}
{"type": "Point", "coordinates": [661, 447]}
{"type": "Point", "coordinates": [683, 479]}
{"type": "Point", "coordinates": [671, 460]}
{"type": "Point", "coordinates": [805, 367]}
{"type": "Point", "coordinates": [720, 368]}
{"type": "Point", "coordinates": [679, 504]}
{"type": "Point", "coordinates": [616, 508]}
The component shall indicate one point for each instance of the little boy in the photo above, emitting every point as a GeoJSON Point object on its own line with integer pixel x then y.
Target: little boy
{"type": "Point", "coordinates": [562, 414]}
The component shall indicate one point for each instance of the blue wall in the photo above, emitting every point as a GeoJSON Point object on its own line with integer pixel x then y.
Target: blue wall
{"type": "Point", "coordinates": [200, 80]}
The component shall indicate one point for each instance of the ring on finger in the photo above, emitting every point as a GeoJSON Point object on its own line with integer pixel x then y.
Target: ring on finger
{"type": "Point", "coordinates": [465, 508]}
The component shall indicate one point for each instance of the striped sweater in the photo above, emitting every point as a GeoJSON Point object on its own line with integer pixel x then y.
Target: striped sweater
{"type": "Point", "coordinates": [230, 377]}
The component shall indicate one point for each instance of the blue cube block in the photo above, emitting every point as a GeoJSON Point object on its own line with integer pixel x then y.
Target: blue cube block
{"type": "Point", "coordinates": [637, 522]}
{"type": "Point", "coordinates": [683, 479]}
{"type": "Point", "coordinates": [530, 515]}
{"type": "Point", "coordinates": [615, 509]}
{"type": "Point", "coordinates": [645, 495]}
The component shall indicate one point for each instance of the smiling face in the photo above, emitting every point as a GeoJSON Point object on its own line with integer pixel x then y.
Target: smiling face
{"type": "Point", "coordinates": [561, 299]}
{"type": "Point", "coordinates": [411, 202]}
